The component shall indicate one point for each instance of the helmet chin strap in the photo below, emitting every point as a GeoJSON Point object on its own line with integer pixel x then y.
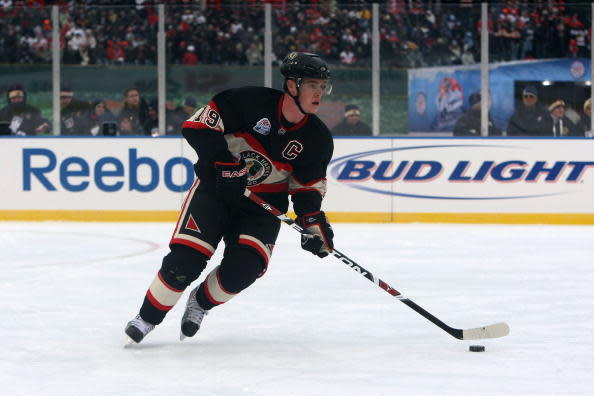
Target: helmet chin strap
{"type": "Point", "coordinates": [296, 97]}
{"type": "Point", "coordinates": [298, 102]}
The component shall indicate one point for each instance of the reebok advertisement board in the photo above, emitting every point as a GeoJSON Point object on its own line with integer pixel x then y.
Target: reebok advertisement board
{"type": "Point", "coordinates": [475, 180]}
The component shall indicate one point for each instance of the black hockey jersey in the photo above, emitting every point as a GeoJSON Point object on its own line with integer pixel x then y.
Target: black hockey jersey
{"type": "Point", "coordinates": [282, 158]}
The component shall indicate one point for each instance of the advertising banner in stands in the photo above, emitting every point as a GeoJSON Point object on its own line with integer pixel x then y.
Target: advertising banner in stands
{"type": "Point", "coordinates": [369, 179]}
{"type": "Point", "coordinates": [437, 96]}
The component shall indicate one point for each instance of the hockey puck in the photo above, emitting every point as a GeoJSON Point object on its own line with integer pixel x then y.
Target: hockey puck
{"type": "Point", "coordinates": [477, 348]}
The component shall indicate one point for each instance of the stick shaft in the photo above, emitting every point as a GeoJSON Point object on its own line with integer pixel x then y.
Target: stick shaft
{"type": "Point", "coordinates": [358, 268]}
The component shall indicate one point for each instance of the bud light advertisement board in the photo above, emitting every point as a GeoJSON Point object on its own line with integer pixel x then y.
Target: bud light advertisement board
{"type": "Point", "coordinates": [437, 96]}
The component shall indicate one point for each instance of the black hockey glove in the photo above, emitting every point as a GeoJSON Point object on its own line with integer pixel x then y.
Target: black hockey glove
{"type": "Point", "coordinates": [231, 180]}
{"type": "Point", "coordinates": [319, 242]}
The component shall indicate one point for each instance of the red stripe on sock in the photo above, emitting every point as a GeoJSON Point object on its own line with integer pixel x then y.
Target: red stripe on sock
{"type": "Point", "coordinates": [156, 303]}
{"type": "Point", "coordinates": [209, 296]}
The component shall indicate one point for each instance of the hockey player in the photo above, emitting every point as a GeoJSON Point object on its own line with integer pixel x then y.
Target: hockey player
{"type": "Point", "coordinates": [263, 139]}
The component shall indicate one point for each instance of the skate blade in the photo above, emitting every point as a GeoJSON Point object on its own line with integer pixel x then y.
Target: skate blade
{"type": "Point", "coordinates": [129, 342]}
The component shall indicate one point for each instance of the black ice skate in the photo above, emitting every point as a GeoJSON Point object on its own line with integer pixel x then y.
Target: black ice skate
{"type": "Point", "coordinates": [193, 315]}
{"type": "Point", "coordinates": [137, 329]}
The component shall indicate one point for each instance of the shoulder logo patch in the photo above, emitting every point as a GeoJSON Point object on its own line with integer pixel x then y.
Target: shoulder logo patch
{"type": "Point", "coordinates": [263, 126]}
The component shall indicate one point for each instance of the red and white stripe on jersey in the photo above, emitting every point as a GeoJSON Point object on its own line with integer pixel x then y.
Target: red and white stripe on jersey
{"type": "Point", "coordinates": [206, 117]}
{"type": "Point", "coordinates": [264, 250]}
{"type": "Point", "coordinates": [269, 188]}
{"type": "Point", "coordinates": [215, 292]}
{"type": "Point", "coordinates": [161, 295]}
{"type": "Point", "coordinates": [181, 238]}
{"type": "Point", "coordinates": [318, 185]}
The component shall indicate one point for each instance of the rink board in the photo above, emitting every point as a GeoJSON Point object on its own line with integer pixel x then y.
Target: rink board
{"type": "Point", "coordinates": [452, 180]}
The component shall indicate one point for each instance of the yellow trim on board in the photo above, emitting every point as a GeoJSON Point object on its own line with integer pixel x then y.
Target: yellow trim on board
{"type": "Point", "coordinates": [497, 218]}
{"type": "Point", "coordinates": [337, 217]}
{"type": "Point", "coordinates": [89, 215]}
{"type": "Point", "coordinates": [465, 218]}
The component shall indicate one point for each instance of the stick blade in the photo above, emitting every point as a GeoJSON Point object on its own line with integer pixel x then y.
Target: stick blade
{"type": "Point", "coordinates": [491, 331]}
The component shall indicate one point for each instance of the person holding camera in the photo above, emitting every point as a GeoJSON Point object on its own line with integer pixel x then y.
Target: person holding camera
{"type": "Point", "coordinates": [99, 120]}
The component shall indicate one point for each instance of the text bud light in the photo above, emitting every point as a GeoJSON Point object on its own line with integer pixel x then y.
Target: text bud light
{"type": "Point", "coordinates": [506, 171]}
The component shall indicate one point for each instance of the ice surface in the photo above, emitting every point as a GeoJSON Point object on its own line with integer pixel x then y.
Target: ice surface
{"type": "Point", "coordinates": [309, 326]}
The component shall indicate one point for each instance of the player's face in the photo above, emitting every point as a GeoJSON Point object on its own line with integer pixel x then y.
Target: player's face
{"type": "Point", "coordinates": [310, 94]}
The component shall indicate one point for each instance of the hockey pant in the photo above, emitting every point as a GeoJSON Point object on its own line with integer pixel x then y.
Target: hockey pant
{"type": "Point", "coordinates": [249, 238]}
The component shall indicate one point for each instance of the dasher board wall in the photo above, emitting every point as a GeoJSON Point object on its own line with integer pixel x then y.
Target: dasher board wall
{"type": "Point", "coordinates": [456, 180]}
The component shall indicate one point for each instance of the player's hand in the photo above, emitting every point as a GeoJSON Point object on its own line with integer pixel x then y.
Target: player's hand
{"type": "Point", "coordinates": [231, 180]}
{"type": "Point", "coordinates": [319, 241]}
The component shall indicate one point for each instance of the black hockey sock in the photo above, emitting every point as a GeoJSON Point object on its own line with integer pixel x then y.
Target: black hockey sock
{"type": "Point", "coordinates": [239, 269]}
{"type": "Point", "coordinates": [150, 313]}
{"type": "Point", "coordinates": [203, 301]}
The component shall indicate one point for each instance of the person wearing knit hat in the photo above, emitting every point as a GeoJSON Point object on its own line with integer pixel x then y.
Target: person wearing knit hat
{"type": "Point", "coordinates": [561, 125]}
{"type": "Point", "coordinates": [351, 125]}
{"type": "Point", "coordinates": [469, 123]}
{"type": "Point", "coordinates": [21, 117]}
{"type": "Point", "coordinates": [557, 105]}
{"type": "Point", "coordinates": [72, 111]}
{"type": "Point", "coordinates": [99, 120]}
{"type": "Point", "coordinates": [529, 117]}
{"type": "Point", "coordinates": [530, 90]}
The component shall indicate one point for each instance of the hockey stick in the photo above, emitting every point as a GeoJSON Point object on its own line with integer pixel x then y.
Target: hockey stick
{"type": "Point", "coordinates": [490, 331]}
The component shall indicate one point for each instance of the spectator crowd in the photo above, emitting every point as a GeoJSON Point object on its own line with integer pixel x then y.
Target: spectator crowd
{"type": "Point", "coordinates": [532, 117]}
{"type": "Point", "coordinates": [134, 116]}
{"type": "Point", "coordinates": [413, 33]}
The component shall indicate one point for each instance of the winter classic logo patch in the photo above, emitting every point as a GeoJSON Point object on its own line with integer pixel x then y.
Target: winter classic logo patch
{"type": "Point", "coordinates": [258, 166]}
{"type": "Point", "coordinates": [262, 126]}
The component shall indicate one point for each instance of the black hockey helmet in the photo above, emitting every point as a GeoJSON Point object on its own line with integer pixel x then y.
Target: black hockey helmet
{"type": "Point", "coordinates": [299, 65]}
{"type": "Point", "coordinates": [304, 65]}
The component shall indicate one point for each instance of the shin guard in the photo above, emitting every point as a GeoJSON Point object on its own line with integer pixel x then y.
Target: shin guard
{"type": "Point", "coordinates": [180, 268]}
{"type": "Point", "coordinates": [238, 270]}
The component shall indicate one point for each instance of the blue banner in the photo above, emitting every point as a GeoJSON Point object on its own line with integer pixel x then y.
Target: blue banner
{"type": "Point", "coordinates": [439, 95]}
